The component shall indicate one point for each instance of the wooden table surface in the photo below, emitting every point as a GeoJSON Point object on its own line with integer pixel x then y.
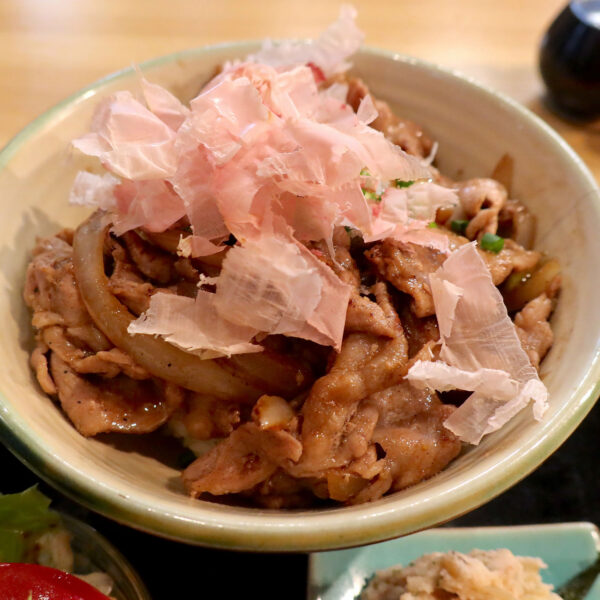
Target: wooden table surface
{"type": "Point", "coordinates": [51, 48]}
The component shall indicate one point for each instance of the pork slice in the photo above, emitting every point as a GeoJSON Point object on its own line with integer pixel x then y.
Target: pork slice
{"type": "Point", "coordinates": [365, 365]}
{"type": "Point", "coordinates": [123, 362]}
{"type": "Point", "coordinates": [151, 261]}
{"type": "Point", "coordinates": [377, 318]}
{"type": "Point", "coordinates": [50, 286]}
{"type": "Point", "coordinates": [281, 490]}
{"type": "Point", "coordinates": [533, 328]}
{"type": "Point", "coordinates": [246, 458]}
{"type": "Point", "coordinates": [419, 447]}
{"type": "Point", "coordinates": [414, 449]}
{"type": "Point", "coordinates": [88, 336]}
{"type": "Point", "coordinates": [96, 405]}
{"type": "Point", "coordinates": [418, 332]}
{"type": "Point", "coordinates": [46, 318]}
{"type": "Point", "coordinates": [481, 199]}
{"type": "Point", "coordinates": [363, 315]}
{"type": "Point", "coordinates": [407, 267]}
{"type": "Point", "coordinates": [409, 440]}
{"type": "Point", "coordinates": [512, 257]}
{"type": "Point", "coordinates": [108, 363]}
{"type": "Point", "coordinates": [401, 402]}
{"type": "Point", "coordinates": [126, 282]}
{"type": "Point", "coordinates": [39, 364]}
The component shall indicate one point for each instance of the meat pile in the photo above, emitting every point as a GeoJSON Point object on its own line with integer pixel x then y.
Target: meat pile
{"type": "Point", "coordinates": [353, 430]}
{"type": "Point", "coordinates": [284, 291]}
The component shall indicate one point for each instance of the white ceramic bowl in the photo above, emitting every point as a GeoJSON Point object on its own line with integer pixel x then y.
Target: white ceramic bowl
{"type": "Point", "coordinates": [474, 128]}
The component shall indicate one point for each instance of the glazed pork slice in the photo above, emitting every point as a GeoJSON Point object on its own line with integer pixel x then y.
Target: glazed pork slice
{"type": "Point", "coordinates": [365, 365]}
{"type": "Point", "coordinates": [411, 433]}
{"type": "Point", "coordinates": [407, 266]}
{"type": "Point", "coordinates": [533, 328]}
{"type": "Point", "coordinates": [249, 456]}
{"type": "Point", "coordinates": [120, 404]}
{"type": "Point", "coordinates": [100, 388]}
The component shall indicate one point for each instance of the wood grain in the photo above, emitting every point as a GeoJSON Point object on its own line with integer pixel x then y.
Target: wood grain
{"type": "Point", "coordinates": [51, 48]}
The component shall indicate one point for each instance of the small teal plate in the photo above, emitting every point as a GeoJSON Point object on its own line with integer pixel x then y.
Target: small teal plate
{"type": "Point", "coordinates": [567, 549]}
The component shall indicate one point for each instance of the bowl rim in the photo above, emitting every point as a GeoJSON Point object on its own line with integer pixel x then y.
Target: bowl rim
{"type": "Point", "coordinates": [261, 530]}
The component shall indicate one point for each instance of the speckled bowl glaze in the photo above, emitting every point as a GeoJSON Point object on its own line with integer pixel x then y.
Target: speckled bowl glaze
{"type": "Point", "coordinates": [474, 127]}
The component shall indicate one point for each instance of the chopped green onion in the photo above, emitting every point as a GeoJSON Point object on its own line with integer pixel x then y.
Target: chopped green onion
{"type": "Point", "coordinates": [491, 242]}
{"type": "Point", "coordinates": [371, 195]}
{"type": "Point", "coordinates": [459, 226]}
{"type": "Point", "coordinates": [365, 172]}
{"type": "Point", "coordinates": [432, 225]}
{"type": "Point", "coordinates": [402, 184]}
{"type": "Point", "coordinates": [348, 229]}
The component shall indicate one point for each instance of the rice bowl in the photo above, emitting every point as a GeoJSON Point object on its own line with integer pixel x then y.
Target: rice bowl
{"type": "Point", "coordinates": [112, 481]}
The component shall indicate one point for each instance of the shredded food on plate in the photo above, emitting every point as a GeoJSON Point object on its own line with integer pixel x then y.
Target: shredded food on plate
{"type": "Point", "coordinates": [279, 275]}
{"type": "Point", "coordinates": [478, 575]}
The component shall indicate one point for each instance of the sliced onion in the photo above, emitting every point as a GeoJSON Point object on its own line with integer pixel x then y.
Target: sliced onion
{"type": "Point", "coordinates": [521, 287]}
{"type": "Point", "coordinates": [223, 379]}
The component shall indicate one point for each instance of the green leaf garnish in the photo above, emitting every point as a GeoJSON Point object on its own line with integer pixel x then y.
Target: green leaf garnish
{"type": "Point", "coordinates": [26, 511]}
{"type": "Point", "coordinates": [432, 225]}
{"type": "Point", "coordinates": [402, 184]}
{"type": "Point", "coordinates": [21, 515]}
{"type": "Point", "coordinates": [459, 226]}
{"type": "Point", "coordinates": [365, 172]}
{"type": "Point", "coordinates": [491, 242]}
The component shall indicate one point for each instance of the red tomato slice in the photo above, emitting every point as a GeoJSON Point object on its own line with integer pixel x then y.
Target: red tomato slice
{"type": "Point", "coordinates": [21, 582]}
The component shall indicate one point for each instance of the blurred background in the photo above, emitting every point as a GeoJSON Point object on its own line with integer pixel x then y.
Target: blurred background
{"type": "Point", "coordinates": [51, 48]}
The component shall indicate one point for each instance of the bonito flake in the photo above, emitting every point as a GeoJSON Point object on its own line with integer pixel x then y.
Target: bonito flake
{"type": "Point", "coordinates": [405, 213]}
{"type": "Point", "coordinates": [480, 352]}
{"type": "Point", "coordinates": [130, 140]}
{"type": "Point", "coordinates": [263, 153]}
{"type": "Point", "coordinates": [329, 52]}
{"type": "Point", "coordinates": [194, 325]}
{"type": "Point", "coordinates": [278, 286]}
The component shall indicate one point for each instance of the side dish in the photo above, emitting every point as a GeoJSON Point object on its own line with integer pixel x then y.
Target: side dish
{"type": "Point", "coordinates": [478, 575]}
{"type": "Point", "coordinates": [35, 549]}
{"type": "Point", "coordinates": [279, 276]}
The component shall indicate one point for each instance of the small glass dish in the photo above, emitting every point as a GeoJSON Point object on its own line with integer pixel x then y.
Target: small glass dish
{"type": "Point", "coordinates": [94, 553]}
